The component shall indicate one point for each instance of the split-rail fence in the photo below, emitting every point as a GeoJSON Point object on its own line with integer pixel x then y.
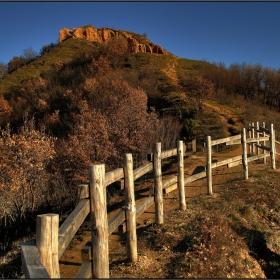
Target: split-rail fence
{"type": "Point", "coordinates": [41, 259]}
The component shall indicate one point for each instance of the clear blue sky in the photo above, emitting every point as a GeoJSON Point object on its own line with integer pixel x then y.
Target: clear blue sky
{"type": "Point", "coordinates": [229, 32]}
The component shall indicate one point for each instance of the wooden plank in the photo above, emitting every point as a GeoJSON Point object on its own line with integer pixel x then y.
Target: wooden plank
{"type": "Point", "coordinates": [85, 271]}
{"type": "Point", "coordinates": [169, 153]}
{"type": "Point", "coordinates": [113, 176]}
{"type": "Point", "coordinates": [158, 184]}
{"type": "Point", "coordinates": [262, 147]}
{"type": "Point", "coordinates": [195, 177]}
{"type": "Point", "coordinates": [234, 142]}
{"type": "Point", "coordinates": [277, 142]}
{"type": "Point", "coordinates": [140, 171]}
{"type": "Point", "coordinates": [144, 205]}
{"type": "Point", "coordinates": [226, 161]}
{"type": "Point", "coordinates": [227, 139]}
{"type": "Point", "coordinates": [31, 261]}
{"type": "Point", "coordinates": [170, 188]}
{"type": "Point", "coordinates": [249, 159]}
{"type": "Point", "coordinates": [235, 163]}
{"type": "Point", "coordinates": [115, 221]}
{"type": "Point", "coordinates": [47, 242]}
{"type": "Point", "coordinates": [170, 181]}
{"type": "Point", "coordinates": [251, 140]}
{"type": "Point", "coordinates": [70, 226]}
{"type": "Point", "coordinates": [263, 129]}
{"type": "Point", "coordinates": [186, 181]}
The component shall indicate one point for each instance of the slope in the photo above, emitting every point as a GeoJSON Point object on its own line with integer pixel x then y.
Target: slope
{"type": "Point", "coordinates": [216, 237]}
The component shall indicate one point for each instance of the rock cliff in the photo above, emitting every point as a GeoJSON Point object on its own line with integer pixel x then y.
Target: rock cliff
{"type": "Point", "coordinates": [104, 34]}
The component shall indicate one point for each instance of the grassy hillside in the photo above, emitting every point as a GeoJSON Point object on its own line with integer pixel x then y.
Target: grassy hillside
{"type": "Point", "coordinates": [65, 52]}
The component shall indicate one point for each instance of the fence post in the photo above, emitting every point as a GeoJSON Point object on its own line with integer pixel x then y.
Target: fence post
{"type": "Point", "coordinates": [264, 151]}
{"type": "Point", "coordinates": [194, 146]}
{"type": "Point", "coordinates": [250, 136]}
{"type": "Point", "coordinates": [272, 146]}
{"type": "Point", "coordinates": [253, 135]}
{"type": "Point", "coordinates": [158, 184]}
{"type": "Point", "coordinates": [130, 208]}
{"type": "Point", "coordinates": [244, 156]}
{"type": "Point", "coordinates": [209, 165]}
{"type": "Point", "coordinates": [47, 242]}
{"type": "Point", "coordinates": [258, 135]}
{"type": "Point", "coordinates": [99, 223]}
{"type": "Point", "coordinates": [181, 179]}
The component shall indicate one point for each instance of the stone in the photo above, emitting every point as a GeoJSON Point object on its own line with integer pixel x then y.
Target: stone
{"type": "Point", "coordinates": [102, 35]}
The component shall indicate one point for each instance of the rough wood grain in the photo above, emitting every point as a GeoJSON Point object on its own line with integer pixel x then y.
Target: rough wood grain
{"type": "Point", "coordinates": [209, 163]}
{"type": "Point", "coordinates": [85, 271]}
{"type": "Point", "coordinates": [70, 226]}
{"type": "Point", "coordinates": [244, 156]}
{"type": "Point", "coordinates": [130, 208]}
{"type": "Point", "coordinates": [272, 146]}
{"type": "Point", "coordinates": [158, 184]}
{"type": "Point", "coordinates": [226, 161]}
{"type": "Point", "coordinates": [181, 184]}
{"type": "Point", "coordinates": [99, 223]}
{"type": "Point", "coordinates": [140, 171]}
{"type": "Point", "coordinates": [31, 261]}
{"type": "Point", "coordinates": [169, 153]}
{"type": "Point", "coordinates": [47, 242]}
{"type": "Point", "coordinates": [224, 140]}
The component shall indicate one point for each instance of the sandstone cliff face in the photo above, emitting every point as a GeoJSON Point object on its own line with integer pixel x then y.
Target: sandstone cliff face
{"type": "Point", "coordinates": [102, 35]}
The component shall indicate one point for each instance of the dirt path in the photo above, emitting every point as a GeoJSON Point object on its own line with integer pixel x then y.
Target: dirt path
{"type": "Point", "coordinates": [150, 262]}
{"type": "Point", "coordinates": [171, 72]}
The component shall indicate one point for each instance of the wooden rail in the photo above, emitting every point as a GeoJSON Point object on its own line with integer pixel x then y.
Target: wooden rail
{"type": "Point", "coordinates": [41, 261]}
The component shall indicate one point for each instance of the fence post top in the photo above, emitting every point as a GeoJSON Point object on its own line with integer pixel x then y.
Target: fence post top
{"type": "Point", "coordinates": [97, 164]}
{"type": "Point", "coordinates": [48, 215]}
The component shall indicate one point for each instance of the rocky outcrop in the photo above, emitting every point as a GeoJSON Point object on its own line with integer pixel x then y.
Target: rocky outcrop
{"type": "Point", "coordinates": [104, 34]}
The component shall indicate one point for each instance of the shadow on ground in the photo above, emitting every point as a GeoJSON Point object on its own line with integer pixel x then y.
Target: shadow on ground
{"type": "Point", "coordinates": [268, 260]}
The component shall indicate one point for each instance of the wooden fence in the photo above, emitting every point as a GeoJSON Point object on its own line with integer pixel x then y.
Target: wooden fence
{"type": "Point", "coordinates": [41, 260]}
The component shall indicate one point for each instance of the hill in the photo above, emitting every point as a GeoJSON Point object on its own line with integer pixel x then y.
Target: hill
{"type": "Point", "coordinates": [90, 101]}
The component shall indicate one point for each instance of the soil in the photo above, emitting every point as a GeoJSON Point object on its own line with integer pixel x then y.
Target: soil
{"type": "Point", "coordinates": [156, 263]}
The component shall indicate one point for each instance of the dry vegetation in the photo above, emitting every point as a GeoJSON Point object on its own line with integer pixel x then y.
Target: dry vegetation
{"type": "Point", "coordinates": [81, 103]}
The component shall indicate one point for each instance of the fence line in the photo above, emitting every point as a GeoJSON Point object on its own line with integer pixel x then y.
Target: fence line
{"type": "Point", "coordinates": [42, 260]}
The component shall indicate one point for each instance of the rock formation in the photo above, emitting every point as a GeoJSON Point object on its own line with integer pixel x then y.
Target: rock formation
{"type": "Point", "coordinates": [104, 34]}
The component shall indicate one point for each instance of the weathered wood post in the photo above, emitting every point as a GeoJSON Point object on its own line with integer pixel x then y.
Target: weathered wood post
{"type": "Point", "coordinates": [181, 179]}
{"type": "Point", "coordinates": [258, 135]}
{"type": "Point", "coordinates": [253, 136]}
{"type": "Point", "coordinates": [158, 184]}
{"type": "Point", "coordinates": [264, 151]}
{"type": "Point", "coordinates": [244, 156]}
{"type": "Point", "coordinates": [250, 136]}
{"type": "Point", "coordinates": [130, 208]}
{"type": "Point", "coordinates": [47, 242]}
{"type": "Point", "coordinates": [194, 146]}
{"type": "Point", "coordinates": [272, 146]}
{"type": "Point", "coordinates": [99, 222]}
{"type": "Point", "coordinates": [209, 165]}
